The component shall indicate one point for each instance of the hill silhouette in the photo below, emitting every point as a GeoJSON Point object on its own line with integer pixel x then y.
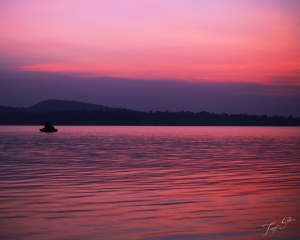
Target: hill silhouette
{"type": "Point", "coordinates": [63, 105]}
{"type": "Point", "coordinates": [12, 109]}
{"type": "Point", "coordinates": [60, 112]}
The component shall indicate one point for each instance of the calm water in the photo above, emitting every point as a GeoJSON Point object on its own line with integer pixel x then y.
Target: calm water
{"type": "Point", "coordinates": [149, 182]}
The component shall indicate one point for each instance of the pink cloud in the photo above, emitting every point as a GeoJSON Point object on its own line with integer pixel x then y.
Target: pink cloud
{"type": "Point", "coordinates": [190, 40]}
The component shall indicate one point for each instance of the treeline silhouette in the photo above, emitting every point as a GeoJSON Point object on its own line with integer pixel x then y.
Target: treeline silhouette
{"type": "Point", "coordinates": [124, 117]}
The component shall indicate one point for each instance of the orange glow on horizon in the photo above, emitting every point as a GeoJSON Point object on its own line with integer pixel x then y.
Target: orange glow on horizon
{"type": "Point", "coordinates": [214, 72]}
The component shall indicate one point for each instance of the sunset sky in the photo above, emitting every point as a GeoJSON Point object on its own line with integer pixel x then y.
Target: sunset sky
{"type": "Point", "coordinates": [244, 43]}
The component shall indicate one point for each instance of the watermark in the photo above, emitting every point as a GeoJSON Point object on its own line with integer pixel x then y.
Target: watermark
{"type": "Point", "coordinates": [273, 226]}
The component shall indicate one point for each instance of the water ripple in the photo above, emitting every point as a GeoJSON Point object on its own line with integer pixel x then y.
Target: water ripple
{"type": "Point", "coordinates": [149, 182]}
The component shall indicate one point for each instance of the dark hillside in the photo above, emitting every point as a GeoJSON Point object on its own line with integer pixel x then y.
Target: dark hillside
{"type": "Point", "coordinates": [12, 109]}
{"type": "Point", "coordinates": [61, 112]}
{"type": "Point", "coordinates": [62, 105]}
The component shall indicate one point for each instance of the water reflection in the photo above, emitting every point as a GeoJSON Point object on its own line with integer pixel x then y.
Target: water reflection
{"type": "Point", "coordinates": [149, 182]}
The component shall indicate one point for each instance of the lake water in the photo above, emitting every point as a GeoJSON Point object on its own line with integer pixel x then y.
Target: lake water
{"type": "Point", "coordinates": [149, 182]}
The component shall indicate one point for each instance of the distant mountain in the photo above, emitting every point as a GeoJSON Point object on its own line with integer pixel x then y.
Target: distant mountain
{"type": "Point", "coordinates": [12, 109]}
{"type": "Point", "coordinates": [56, 106]}
{"type": "Point", "coordinates": [61, 112]}
{"type": "Point", "coordinates": [62, 105]}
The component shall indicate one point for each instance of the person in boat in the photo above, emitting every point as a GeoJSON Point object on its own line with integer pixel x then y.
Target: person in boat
{"type": "Point", "coordinates": [48, 125]}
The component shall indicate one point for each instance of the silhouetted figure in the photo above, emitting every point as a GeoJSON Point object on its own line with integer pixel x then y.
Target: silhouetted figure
{"type": "Point", "coordinates": [48, 128]}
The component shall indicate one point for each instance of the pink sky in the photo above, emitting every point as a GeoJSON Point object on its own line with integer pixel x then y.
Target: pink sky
{"type": "Point", "coordinates": [246, 41]}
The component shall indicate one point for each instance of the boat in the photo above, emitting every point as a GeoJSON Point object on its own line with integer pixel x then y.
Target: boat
{"type": "Point", "coordinates": [48, 128]}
